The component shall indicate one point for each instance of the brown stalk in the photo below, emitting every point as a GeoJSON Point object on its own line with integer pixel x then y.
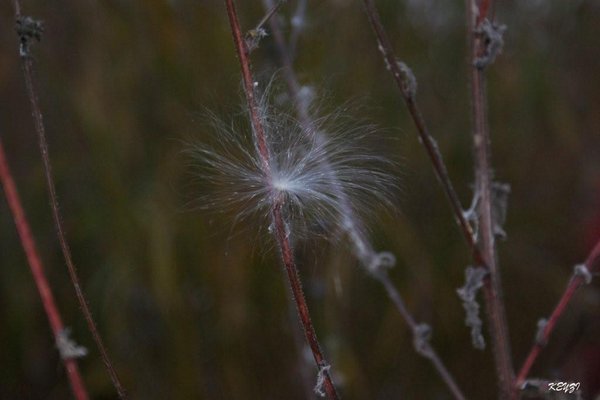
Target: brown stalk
{"type": "Point", "coordinates": [281, 235]}
{"type": "Point", "coordinates": [484, 257]}
{"type": "Point", "coordinates": [37, 270]}
{"type": "Point", "coordinates": [303, 115]}
{"type": "Point", "coordinates": [483, 187]}
{"type": "Point", "coordinates": [425, 136]}
{"type": "Point", "coordinates": [592, 264]}
{"type": "Point", "coordinates": [27, 66]}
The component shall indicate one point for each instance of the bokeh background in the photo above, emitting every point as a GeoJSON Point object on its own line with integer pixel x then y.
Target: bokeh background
{"type": "Point", "coordinates": [193, 310]}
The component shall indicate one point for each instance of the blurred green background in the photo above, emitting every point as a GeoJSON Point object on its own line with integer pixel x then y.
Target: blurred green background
{"type": "Point", "coordinates": [190, 310]}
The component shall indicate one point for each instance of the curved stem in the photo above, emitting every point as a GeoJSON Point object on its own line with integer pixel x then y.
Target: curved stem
{"type": "Point", "coordinates": [361, 243]}
{"type": "Point", "coordinates": [429, 143]}
{"type": "Point", "coordinates": [60, 231]}
{"type": "Point", "coordinates": [485, 256]}
{"type": "Point", "coordinates": [298, 294]}
{"type": "Point", "coordinates": [37, 270]}
{"type": "Point", "coordinates": [483, 186]}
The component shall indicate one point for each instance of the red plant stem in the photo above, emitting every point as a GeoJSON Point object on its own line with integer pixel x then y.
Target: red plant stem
{"type": "Point", "coordinates": [382, 276]}
{"type": "Point", "coordinates": [60, 231]}
{"type": "Point", "coordinates": [294, 280]}
{"type": "Point", "coordinates": [281, 234]}
{"type": "Point", "coordinates": [492, 288]}
{"type": "Point", "coordinates": [593, 265]}
{"type": "Point", "coordinates": [37, 270]}
{"type": "Point", "coordinates": [303, 116]}
{"type": "Point", "coordinates": [484, 8]}
{"type": "Point", "coordinates": [242, 51]}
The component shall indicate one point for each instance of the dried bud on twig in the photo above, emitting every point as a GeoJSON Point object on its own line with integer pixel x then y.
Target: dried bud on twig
{"type": "Point", "coordinates": [409, 81]}
{"type": "Point", "coordinates": [28, 28]}
{"type": "Point", "coordinates": [67, 347]}
{"type": "Point", "coordinates": [318, 389]}
{"type": "Point", "coordinates": [539, 335]}
{"type": "Point", "coordinates": [500, 192]}
{"type": "Point", "coordinates": [473, 282]}
{"type": "Point", "coordinates": [422, 336]}
{"type": "Point", "coordinates": [493, 41]}
{"type": "Point", "coordinates": [253, 38]}
{"type": "Point", "coordinates": [583, 271]}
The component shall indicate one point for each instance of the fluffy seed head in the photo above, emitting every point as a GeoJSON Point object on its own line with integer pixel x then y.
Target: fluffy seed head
{"type": "Point", "coordinates": [320, 173]}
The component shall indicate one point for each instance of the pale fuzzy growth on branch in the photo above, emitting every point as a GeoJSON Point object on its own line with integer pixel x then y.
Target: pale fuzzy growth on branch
{"type": "Point", "coordinates": [67, 347]}
{"type": "Point", "coordinates": [473, 282]}
{"type": "Point", "coordinates": [539, 335]}
{"type": "Point", "coordinates": [318, 389]}
{"type": "Point", "coordinates": [303, 167]}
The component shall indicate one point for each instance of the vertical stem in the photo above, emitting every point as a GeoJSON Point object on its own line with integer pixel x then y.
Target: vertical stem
{"type": "Point", "coordinates": [298, 294]}
{"type": "Point", "coordinates": [60, 231]}
{"type": "Point", "coordinates": [37, 270]}
{"type": "Point", "coordinates": [242, 52]}
{"type": "Point", "coordinates": [483, 181]}
{"type": "Point", "coordinates": [485, 255]}
{"type": "Point", "coordinates": [281, 233]}
{"type": "Point", "coordinates": [357, 239]}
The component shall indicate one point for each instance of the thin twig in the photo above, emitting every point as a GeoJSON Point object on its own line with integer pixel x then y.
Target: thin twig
{"type": "Point", "coordinates": [279, 224]}
{"type": "Point", "coordinates": [425, 136]}
{"type": "Point", "coordinates": [269, 14]}
{"type": "Point", "coordinates": [403, 82]}
{"type": "Point", "coordinates": [380, 274]}
{"type": "Point", "coordinates": [37, 270]}
{"type": "Point", "coordinates": [483, 188]}
{"type": "Point", "coordinates": [254, 36]}
{"type": "Point", "coordinates": [494, 305]}
{"type": "Point", "coordinates": [27, 66]}
{"type": "Point", "coordinates": [578, 279]}
{"type": "Point", "coordinates": [424, 347]}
